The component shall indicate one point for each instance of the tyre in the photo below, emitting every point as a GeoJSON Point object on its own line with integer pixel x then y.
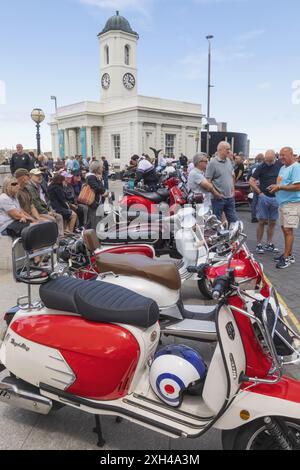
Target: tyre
{"type": "Point", "coordinates": [255, 436]}
{"type": "Point", "coordinates": [205, 287]}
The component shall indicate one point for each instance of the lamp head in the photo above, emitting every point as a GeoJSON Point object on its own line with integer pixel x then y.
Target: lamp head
{"type": "Point", "coordinates": [38, 115]}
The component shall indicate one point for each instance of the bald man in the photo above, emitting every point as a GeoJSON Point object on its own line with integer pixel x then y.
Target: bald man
{"type": "Point", "coordinates": [20, 160]}
{"type": "Point", "coordinates": [267, 213]}
{"type": "Point", "coordinates": [287, 192]}
{"type": "Point", "coordinates": [221, 174]}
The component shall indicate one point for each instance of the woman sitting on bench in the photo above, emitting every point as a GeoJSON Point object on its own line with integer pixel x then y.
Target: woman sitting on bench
{"type": "Point", "coordinates": [12, 218]}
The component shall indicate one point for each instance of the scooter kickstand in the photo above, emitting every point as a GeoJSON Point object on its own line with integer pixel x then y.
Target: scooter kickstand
{"type": "Point", "coordinates": [98, 431]}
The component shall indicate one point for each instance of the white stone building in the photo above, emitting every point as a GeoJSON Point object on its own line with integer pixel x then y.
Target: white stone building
{"type": "Point", "coordinates": [124, 123]}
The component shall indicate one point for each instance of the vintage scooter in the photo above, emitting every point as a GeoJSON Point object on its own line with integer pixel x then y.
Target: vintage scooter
{"type": "Point", "coordinates": [95, 347]}
{"type": "Point", "coordinates": [171, 194]}
{"type": "Point", "coordinates": [161, 280]}
{"type": "Point", "coordinates": [203, 244]}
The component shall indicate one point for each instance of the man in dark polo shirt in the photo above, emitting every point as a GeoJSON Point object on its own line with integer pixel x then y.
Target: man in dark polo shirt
{"type": "Point", "coordinates": [267, 208]}
{"type": "Point", "coordinates": [221, 174]}
{"type": "Point", "coordinates": [20, 160]}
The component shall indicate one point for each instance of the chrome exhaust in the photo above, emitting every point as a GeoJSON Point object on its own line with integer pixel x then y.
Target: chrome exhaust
{"type": "Point", "coordinates": [19, 394]}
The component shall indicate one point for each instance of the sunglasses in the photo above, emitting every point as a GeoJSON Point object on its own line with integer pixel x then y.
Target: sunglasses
{"type": "Point", "coordinates": [14, 184]}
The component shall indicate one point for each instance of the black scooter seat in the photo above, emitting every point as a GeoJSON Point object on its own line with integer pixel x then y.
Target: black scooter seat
{"type": "Point", "coordinates": [99, 302]}
{"type": "Point", "coordinates": [153, 197]}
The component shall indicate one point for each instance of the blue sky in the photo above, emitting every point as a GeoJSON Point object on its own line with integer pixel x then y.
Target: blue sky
{"type": "Point", "coordinates": [50, 47]}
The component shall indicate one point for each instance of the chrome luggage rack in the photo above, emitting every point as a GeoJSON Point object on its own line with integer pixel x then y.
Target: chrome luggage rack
{"type": "Point", "coordinates": [268, 334]}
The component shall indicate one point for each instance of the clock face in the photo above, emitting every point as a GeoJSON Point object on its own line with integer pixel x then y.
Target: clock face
{"type": "Point", "coordinates": [129, 81]}
{"type": "Point", "coordinates": [105, 81]}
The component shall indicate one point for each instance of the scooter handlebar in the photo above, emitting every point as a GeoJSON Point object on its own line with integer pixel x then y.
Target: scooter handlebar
{"type": "Point", "coordinates": [220, 287]}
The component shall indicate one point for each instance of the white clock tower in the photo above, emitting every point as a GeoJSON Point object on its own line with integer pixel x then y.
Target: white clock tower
{"type": "Point", "coordinates": [118, 56]}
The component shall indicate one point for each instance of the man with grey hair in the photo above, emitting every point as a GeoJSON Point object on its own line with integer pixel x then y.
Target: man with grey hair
{"type": "Point", "coordinates": [267, 208]}
{"type": "Point", "coordinates": [220, 174]}
{"type": "Point", "coordinates": [197, 183]}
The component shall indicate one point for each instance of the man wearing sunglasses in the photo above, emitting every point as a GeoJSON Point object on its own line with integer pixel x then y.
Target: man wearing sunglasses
{"type": "Point", "coordinates": [197, 183]}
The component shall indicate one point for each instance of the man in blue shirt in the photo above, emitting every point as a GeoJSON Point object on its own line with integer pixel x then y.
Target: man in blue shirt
{"type": "Point", "coordinates": [262, 178]}
{"type": "Point", "coordinates": [287, 192]}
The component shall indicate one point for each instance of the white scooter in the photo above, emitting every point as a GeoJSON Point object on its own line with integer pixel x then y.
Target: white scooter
{"type": "Point", "coordinates": [94, 346]}
{"type": "Point", "coordinates": [161, 281]}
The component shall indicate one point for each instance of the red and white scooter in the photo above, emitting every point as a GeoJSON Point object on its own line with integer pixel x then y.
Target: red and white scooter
{"type": "Point", "coordinates": [161, 281]}
{"type": "Point", "coordinates": [95, 347]}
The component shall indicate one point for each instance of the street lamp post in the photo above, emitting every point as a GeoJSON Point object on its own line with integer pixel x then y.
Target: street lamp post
{"type": "Point", "coordinates": [208, 93]}
{"type": "Point", "coordinates": [55, 99]}
{"type": "Point", "coordinates": [38, 117]}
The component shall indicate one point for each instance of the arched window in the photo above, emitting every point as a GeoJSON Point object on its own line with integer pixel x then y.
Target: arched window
{"type": "Point", "coordinates": [127, 55]}
{"type": "Point", "coordinates": [106, 49]}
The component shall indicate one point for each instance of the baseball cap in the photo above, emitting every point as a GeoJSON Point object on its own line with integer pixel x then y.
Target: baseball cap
{"type": "Point", "coordinates": [36, 172]}
{"type": "Point", "coordinates": [21, 172]}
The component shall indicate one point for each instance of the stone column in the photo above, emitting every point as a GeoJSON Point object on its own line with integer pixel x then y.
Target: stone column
{"type": "Point", "coordinates": [184, 142]}
{"type": "Point", "coordinates": [89, 141]}
{"type": "Point", "coordinates": [67, 144]}
{"type": "Point", "coordinates": [140, 137]}
{"type": "Point", "coordinates": [54, 142]}
{"type": "Point", "coordinates": [72, 142]}
{"type": "Point", "coordinates": [158, 137]}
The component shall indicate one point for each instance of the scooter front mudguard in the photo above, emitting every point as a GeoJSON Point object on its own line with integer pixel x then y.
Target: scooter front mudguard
{"type": "Point", "coordinates": [282, 399]}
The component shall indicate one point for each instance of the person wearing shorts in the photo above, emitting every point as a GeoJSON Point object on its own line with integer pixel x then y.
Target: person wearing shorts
{"type": "Point", "coordinates": [287, 192]}
{"type": "Point", "coordinates": [267, 214]}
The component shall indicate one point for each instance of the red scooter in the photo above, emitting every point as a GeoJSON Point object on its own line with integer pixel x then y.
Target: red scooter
{"type": "Point", "coordinates": [242, 193]}
{"type": "Point", "coordinates": [172, 195]}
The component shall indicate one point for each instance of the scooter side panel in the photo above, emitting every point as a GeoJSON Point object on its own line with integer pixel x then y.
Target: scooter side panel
{"type": "Point", "coordinates": [103, 357]}
{"type": "Point", "coordinates": [163, 296]}
{"type": "Point", "coordinates": [35, 363]}
{"type": "Point", "coordinates": [145, 250]}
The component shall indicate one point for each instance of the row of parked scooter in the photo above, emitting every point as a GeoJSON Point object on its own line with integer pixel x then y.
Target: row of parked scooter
{"type": "Point", "coordinates": [96, 338]}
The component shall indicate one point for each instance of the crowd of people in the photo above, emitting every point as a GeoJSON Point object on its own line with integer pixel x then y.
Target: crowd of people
{"type": "Point", "coordinates": [275, 181]}
{"type": "Point", "coordinates": [40, 189]}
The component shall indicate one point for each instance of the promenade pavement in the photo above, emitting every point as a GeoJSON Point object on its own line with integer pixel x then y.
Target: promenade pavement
{"type": "Point", "coordinates": [71, 429]}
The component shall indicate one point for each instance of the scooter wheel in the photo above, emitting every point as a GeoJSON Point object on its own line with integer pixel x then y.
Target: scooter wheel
{"type": "Point", "coordinates": [205, 288]}
{"type": "Point", "coordinates": [255, 436]}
